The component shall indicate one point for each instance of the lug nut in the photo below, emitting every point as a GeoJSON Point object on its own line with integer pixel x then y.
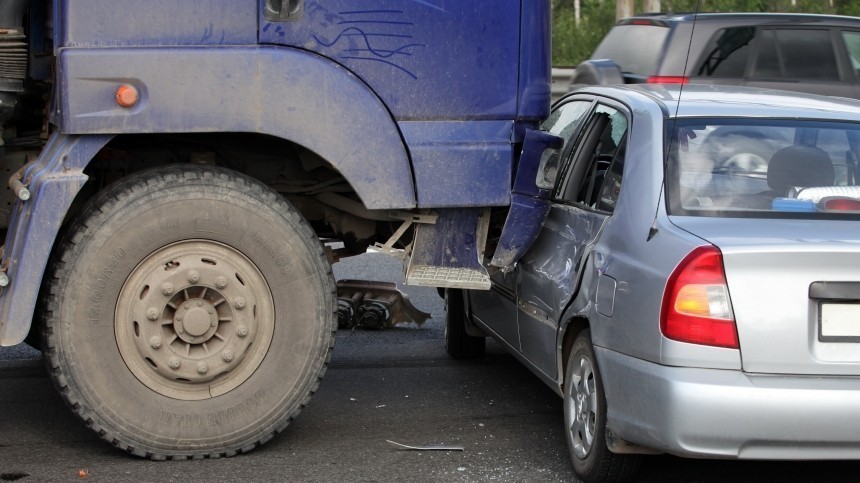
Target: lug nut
{"type": "Point", "coordinates": [167, 289]}
{"type": "Point", "coordinates": [241, 331]}
{"type": "Point", "coordinates": [152, 313]}
{"type": "Point", "coordinates": [174, 363]}
{"type": "Point", "coordinates": [193, 276]}
{"type": "Point", "coordinates": [220, 282]}
{"type": "Point", "coordinates": [202, 368]}
{"type": "Point", "coordinates": [155, 342]}
{"type": "Point", "coordinates": [239, 303]}
{"type": "Point", "coordinates": [227, 356]}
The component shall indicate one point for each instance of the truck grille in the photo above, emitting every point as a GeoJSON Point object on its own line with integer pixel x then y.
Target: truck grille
{"type": "Point", "coordinates": [13, 54]}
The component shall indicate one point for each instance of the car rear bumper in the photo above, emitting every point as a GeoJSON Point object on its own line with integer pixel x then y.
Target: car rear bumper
{"type": "Point", "coordinates": [730, 414]}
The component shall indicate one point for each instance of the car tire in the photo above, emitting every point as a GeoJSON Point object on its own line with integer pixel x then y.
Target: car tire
{"type": "Point", "coordinates": [189, 312]}
{"type": "Point", "coordinates": [458, 342]}
{"type": "Point", "coordinates": [585, 419]}
{"type": "Point", "coordinates": [597, 72]}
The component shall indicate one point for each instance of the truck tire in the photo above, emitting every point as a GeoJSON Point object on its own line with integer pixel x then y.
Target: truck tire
{"type": "Point", "coordinates": [189, 313]}
{"type": "Point", "coordinates": [458, 342]}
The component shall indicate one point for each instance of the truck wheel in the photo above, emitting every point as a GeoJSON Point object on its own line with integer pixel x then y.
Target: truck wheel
{"type": "Point", "coordinates": [458, 342]}
{"type": "Point", "coordinates": [585, 419]}
{"type": "Point", "coordinates": [189, 312]}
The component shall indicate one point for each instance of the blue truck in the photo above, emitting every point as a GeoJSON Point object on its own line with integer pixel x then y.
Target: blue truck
{"type": "Point", "coordinates": [174, 166]}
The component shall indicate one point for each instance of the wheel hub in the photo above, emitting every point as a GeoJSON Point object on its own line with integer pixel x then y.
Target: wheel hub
{"type": "Point", "coordinates": [196, 321]}
{"type": "Point", "coordinates": [188, 316]}
{"type": "Point", "coordinates": [583, 408]}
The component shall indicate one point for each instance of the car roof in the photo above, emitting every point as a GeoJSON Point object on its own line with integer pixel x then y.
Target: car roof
{"type": "Point", "coordinates": [731, 101]}
{"type": "Point", "coordinates": [747, 18]}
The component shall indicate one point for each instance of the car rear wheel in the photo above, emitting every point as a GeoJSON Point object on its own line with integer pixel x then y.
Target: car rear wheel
{"type": "Point", "coordinates": [585, 419]}
{"type": "Point", "coordinates": [458, 342]}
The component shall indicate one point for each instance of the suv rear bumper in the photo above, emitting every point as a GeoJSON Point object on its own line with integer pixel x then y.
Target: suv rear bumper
{"type": "Point", "coordinates": [716, 413]}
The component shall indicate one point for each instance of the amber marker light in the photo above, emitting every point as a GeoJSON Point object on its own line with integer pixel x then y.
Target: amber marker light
{"type": "Point", "coordinates": [127, 95]}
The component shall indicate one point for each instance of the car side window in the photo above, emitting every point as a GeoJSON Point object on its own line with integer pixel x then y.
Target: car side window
{"type": "Point", "coordinates": [727, 53]}
{"type": "Point", "coordinates": [566, 118]}
{"type": "Point", "coordinates": [593, 177]}
{"type": "Point", "coordinates": [786, 53]}
{"type": "Point", "coordinates": [852, 45]}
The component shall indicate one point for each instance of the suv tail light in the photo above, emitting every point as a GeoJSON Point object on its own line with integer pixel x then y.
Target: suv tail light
{"type": "Point", "coordinates": [696, 304]}
{"type": "Point", "coordinates": [668, 79]}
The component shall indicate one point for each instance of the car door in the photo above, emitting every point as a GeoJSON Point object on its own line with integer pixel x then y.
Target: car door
{"type": "Point", "coordinates": [496, 309]}
{"type": "Point", "coordinates": [584, 198]}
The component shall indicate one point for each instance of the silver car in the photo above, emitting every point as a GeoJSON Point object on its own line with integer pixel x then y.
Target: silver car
{"type": "Point", "coordinates": [695, 286]}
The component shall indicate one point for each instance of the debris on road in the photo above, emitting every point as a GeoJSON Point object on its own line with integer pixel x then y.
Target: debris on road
{"type": "Point", "coordinates": [374, 305]}
{"type": "Point", "coordinates": [428, 447]}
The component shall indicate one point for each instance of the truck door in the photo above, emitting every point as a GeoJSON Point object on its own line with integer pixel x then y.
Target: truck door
{"type": "Point", "coordinates": [426, 59]}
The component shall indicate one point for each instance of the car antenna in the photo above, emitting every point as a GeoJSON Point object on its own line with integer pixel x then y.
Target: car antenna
{"type": "Point", "coordinates": [653, 230]}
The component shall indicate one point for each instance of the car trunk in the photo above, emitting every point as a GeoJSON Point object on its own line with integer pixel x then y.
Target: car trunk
{"type": "Point", "coordinates": [795, 291]}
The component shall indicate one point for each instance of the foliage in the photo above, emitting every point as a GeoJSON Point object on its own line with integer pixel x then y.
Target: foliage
{"type": "Point", "coordinates": [572, 44]}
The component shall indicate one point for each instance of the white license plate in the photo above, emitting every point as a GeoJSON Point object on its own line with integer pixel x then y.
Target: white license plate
{"type": "Point", "coordinates": [840, 320]}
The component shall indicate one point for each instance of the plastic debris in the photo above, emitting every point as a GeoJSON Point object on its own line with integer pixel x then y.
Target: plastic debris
{"type": "Point", "coordinates": [427, 447]}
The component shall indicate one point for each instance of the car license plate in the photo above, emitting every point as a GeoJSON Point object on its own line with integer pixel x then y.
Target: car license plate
{"type": "Point", "coordinates": [840, 320]}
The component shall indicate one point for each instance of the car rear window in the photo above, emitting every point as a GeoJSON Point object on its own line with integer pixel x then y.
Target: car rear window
{"type": "Point", "coordinates": [779, 168]}
{"type": "Point", "coordinates": [635, 48]}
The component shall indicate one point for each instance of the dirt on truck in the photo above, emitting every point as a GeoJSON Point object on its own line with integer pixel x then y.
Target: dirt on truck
{"type": "Point", "coordinates": [174, 172]}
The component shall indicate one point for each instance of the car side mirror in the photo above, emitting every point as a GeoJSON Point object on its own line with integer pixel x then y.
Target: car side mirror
{"type": "Point", "coordinates": [548, 168]}
{"type": "Point", "coordinates": [539, 163]}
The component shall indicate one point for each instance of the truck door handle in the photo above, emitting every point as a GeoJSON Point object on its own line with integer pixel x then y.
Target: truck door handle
{"type": "Point", "coordinates": [281, 10]}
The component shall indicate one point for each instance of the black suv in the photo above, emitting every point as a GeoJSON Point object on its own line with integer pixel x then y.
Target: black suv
{"type": "Point", "coordinates": [819, 54]}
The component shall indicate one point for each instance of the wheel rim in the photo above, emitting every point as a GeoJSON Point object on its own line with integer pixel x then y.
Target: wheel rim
{"type": "Point", "coordinates": [582, 406]}
{"type": "Point", "coordinates": [194, 320]}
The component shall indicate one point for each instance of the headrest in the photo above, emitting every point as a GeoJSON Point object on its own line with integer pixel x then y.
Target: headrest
{"type": "Point", "coordinates": [799, 166]}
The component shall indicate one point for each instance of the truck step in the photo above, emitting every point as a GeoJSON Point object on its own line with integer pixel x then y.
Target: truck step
{"type": "Point", "coordinates": [448, 253]}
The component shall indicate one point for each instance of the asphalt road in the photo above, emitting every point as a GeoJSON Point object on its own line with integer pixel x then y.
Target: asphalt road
{"type": "Point", "coordinates": [395, 385]}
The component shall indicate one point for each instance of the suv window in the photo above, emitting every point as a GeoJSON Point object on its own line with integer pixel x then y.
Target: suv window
{"type": "Point", "coordinates": [852, 45]}
{"type": "Point", "coordinates": [786, 53]}
{"type": "Point", "coordinates": [727, 53]}
{"type": "Point", "coordinates": [637, 49]}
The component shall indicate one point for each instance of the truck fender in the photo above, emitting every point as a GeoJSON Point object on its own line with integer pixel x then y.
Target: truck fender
{"type": "Point", "coordinates": [53, 180]}
{"type": "Point", "coordinates": [284, 92]}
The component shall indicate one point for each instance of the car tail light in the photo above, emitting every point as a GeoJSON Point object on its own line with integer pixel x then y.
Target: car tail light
{"type": "Point", "coordinates": [668, 79]}
{"type": "Point", "coordinates": [696, 304]}
{"type": "Point", "coordinates": [841, 204]}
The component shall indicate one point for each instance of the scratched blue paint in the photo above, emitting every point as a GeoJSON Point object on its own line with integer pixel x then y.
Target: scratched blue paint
{"type": "Point", "coordinates": [288, 93]}
{"type": "Point", "coordinates": [54, 181]}
{"type": "Point", "coordinates": [535, 60]}
{"type": "Point", "coordinates": [131, 23]}
{"type": "Point", "coordinates": [427, 60]}
{"type": "Point", "coordinates": [460, 163]}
